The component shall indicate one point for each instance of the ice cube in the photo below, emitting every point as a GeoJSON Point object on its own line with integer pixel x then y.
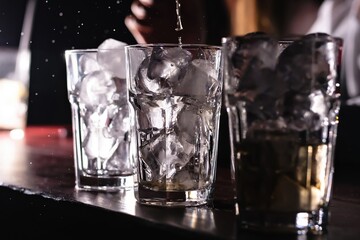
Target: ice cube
{"type": "Point", "coordinates": [253, 65]}
{"type": "Point", "coordinates": [199, 80]}
{"type": "Point", "coordinates": [253, 60]}
{"type": "Point", "coordinates": [168, 63]}
{"type": "Point", "coordinates": [186, 180]}
{"type": "Point", "coordinates": [164, 155]}
{"type": "Point", "coordinates": [157, 114]}
{"type": "Point", "coordinates": [289, 196]}
{"type": "Point", "coordinates": [119, 160]}
{"type": "Point", "coordinates": [147, 85]}
{"type": "Point", "coordinates": [307, 68]}
{"type": "Point", "coordinates": [88, 63]}
{"type": "Point", "coordinates": [117, 122]}
{"type": "Point", "coordinates": [306, 64]}
{"type": "Point", "coordinates": [97, 89]}
{"type": "Point", "coordinates": [97, 146]}
{"type": "Point", "coordinates": [299, 114]}
{"type": "Point", "coordinates": [111, 43]}
{"type": "Point", "coordinates": [104, 130]}
{"type": "Point", "coordinates": [319, 167]}
{"type": "Point", "coordinates": [120, 96]}
{"type": "Point", "coordinates": [159, 72]}
{"type": "Point", "coordinates": [194, 124]}
{"type": "Point", "coordinates": [111, 57]}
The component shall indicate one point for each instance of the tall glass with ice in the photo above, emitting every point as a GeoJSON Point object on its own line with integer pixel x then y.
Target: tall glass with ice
{"type": "Point", "coordinates": [97, 92]}
{"type": "Point", "coordinates": [282, 98]}
{"type": "Point", "coordinates": [175, 92]}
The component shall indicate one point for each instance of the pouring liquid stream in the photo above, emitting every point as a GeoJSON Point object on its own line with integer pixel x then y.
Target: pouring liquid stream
{"type": "Point", "coordinates": [179, 25]}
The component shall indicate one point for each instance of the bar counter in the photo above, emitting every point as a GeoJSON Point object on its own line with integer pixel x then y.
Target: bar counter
{"type": "Point", "coordinates": [38, 198]}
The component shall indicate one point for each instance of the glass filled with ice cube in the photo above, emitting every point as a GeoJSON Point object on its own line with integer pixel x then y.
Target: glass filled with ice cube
{"type": "Point", "coordinates": [96, 81]}
{"type": "Point", "coordinates": [175, 91]}
{"type": "Point", "coordinates": [282, 100]}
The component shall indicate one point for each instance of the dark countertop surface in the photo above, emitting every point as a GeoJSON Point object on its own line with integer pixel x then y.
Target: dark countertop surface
{"type": "Point", "coordinates": [37, 194]}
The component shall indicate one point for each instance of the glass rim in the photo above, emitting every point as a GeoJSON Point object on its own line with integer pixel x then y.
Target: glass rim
{"type": "Point", "coordinates": [167, 45]}
{"type": "Point", "coordinates": [92, 50]}
{"type": "Point", "coordinates": [283, 39]}
{"type": "Point", "coordinates": [144, 45]}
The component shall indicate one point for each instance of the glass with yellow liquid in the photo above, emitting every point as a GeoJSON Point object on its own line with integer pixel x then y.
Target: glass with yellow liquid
{"type": "Point", "coordinates": [283, 104]}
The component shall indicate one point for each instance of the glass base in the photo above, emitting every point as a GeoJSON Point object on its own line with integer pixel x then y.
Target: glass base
{"type": "Point", "coordinates": [190, 198]}
{"type": "Point", "coordinates": [314, 222]}
{"type": "Point", "coordinates": [107, 183]}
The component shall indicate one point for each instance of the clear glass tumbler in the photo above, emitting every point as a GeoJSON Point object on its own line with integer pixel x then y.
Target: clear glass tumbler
{"type": "Point", "coordinates": [97, 91]}
{"type": "Point", "coordinates": [176, 94]}
{"type": "Point", "coordinates": [283, 101]}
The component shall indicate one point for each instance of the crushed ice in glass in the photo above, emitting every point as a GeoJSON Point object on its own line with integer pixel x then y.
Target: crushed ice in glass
{"type": "Point", "coordinates": [104, 108]}
{"type": "Point", "coordinates": [176, 125]}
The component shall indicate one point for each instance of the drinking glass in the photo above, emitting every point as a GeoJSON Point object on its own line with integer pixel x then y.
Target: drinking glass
{"type": "Point", "coordinates": [15, 76]}
{"type": "Point", "coordinates": [97, 91]}
{"type": "Point", "coordinates": [176, 94]}
{"type": "Point", "coordinates": [14, 87]}
{"type": "Point", "coordinates": [282, 99]}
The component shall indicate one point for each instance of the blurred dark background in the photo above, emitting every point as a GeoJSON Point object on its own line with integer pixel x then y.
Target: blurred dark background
{"type": "Point", "coordinates": [57, 26]}
{"type": "Point", "coordinates": [61, 24]}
